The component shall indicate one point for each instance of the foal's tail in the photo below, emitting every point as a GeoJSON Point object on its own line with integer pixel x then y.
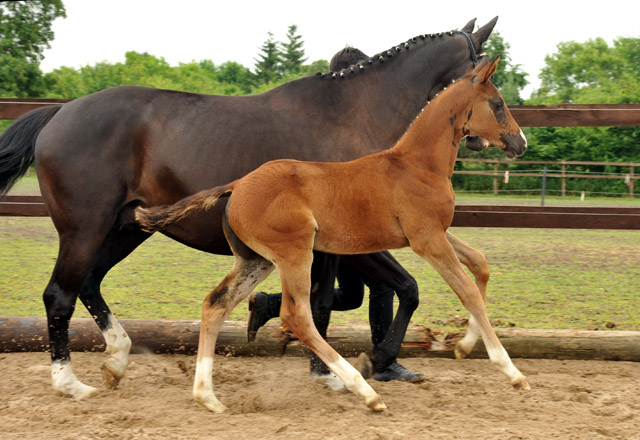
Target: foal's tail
{"type": "Point", "coordinates": [159, 217]}
{"type": "Point", "coordinates": [18, 145]}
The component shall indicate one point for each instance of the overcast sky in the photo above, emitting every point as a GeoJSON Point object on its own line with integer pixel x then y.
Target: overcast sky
{"type": "Point", "coordinates": [188, 30]}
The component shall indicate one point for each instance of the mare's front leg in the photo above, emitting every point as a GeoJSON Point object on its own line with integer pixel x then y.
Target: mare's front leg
{"type": "Point", "coordinates": [436, 249]}
{"type": "Point", "coordinates": [245, 275]}
{"type": "Point", "coordinates": [477, 264]}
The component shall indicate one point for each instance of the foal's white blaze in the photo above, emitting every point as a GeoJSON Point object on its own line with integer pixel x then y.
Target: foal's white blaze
{"type": "Point", "coordinates": [118, 346]}
{"type": "Point", "coordinates": [203, 386]}
{"type": "Point", "coordinates": [355, 383]}
{"type": "Point", "coordinates": [65, 382]}
{"type": "Point", "coordinates": [523, 137]}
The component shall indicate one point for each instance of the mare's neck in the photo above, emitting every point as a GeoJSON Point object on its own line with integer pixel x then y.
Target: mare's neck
{"type": "Point", "coordinates": [390, 92]}
{"type": "Point", "coordinates": [431, 143]}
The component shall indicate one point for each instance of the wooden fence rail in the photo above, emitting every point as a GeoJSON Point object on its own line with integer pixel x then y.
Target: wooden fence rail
{"type": "Point", "coordinates": [564, 115]}
{"type": "Point", "coordinates": [465, 215]}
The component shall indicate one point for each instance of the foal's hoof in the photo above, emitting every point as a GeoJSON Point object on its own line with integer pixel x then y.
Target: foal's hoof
{"type": "Point", "coordinates": [460, 352]}
{"type": "Point", "coordinates": [521, 384]}
{"type": "Point", "coordinates": [376, 404]}
{"type": "Point", "coordinates": [364, 366]}
{"type": "Point", "coordinates": [110, 378]}
{"type": "Point", "coordinates": [213, 405]}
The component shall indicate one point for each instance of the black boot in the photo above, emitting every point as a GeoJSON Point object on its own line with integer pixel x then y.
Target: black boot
{"type": "Point", "coordinates": [395, 371]}
{"type": "Point", "coordinates": [262, 307]}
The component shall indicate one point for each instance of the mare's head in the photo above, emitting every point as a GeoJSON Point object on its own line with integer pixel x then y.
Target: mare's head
{"type": "Point", "coordinates": [489, 116]}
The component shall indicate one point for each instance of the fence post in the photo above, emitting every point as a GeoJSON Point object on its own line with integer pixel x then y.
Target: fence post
{"type": "Point", "coordinates": [544, 184]}
{"type": "Point", "coordinates": [495, 178]}
{"type": "Point", "coordinates": [564, 180]}
{"type": "Point", "coordinates": [631, 181]}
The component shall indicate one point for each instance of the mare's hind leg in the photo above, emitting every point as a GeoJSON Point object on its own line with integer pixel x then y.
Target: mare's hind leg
{"type": "Point", "coordinates": [75, 257]}
{"type": "Point", "coordinates": [119, 243]}
{"type": "Point", "coordinates": [437, 250]}
{"type": "Point", "coordinates": [477, 265]}
{"type": "Point", "coordinates": [248, 271]}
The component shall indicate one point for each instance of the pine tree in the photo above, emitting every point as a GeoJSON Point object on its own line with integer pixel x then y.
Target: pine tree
{"type": "Point", "coordinates": [292, 51]}
{"type": "Point", "coordinates": [268, 65]}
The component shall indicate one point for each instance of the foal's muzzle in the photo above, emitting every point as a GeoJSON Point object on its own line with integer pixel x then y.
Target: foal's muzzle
{"type": "Point", "coordinates": [515, 144]}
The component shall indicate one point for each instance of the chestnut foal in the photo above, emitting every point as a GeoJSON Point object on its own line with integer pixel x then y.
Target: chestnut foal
{"type": "Point", "coordinates": [277, 214]}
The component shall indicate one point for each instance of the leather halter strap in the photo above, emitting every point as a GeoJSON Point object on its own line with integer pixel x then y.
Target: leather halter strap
{"type": "Point", "coordinates": [474, 55]}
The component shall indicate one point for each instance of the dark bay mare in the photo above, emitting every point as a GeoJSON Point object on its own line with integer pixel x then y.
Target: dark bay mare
{"type": "Point", "coordinates": [279, 213]}
{"type": "Point", "coordinates": [101, 156]}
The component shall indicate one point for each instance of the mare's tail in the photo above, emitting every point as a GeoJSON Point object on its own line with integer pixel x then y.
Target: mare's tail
{"type": "Point", "coordinates": [159, 217]}
{"type": "Point", "coordinates": [18, 145]}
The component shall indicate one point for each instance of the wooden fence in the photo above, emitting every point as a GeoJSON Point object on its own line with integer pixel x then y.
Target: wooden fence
{"type": "Point", "coordinates": [497, 173]}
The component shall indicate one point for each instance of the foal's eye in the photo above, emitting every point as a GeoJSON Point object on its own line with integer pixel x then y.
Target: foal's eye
{"type": "Point", "coordinates": [499, 105]}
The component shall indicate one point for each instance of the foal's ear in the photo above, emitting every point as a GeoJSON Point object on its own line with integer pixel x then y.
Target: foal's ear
{"type": "Point", "coordinates": [487, 72]}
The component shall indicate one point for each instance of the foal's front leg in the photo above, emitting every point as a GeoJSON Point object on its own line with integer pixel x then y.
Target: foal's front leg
{"type": "Point", "coordinates": [437, 250]}
{"type": "Point", "coordinates": [477, 264]}
{"type": "Point", "coordinates": [295, 313]}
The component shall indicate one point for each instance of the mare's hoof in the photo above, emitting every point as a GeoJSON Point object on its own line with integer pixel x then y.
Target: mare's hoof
{"type": "Point", "coordinates": [364, 366]}
{"type": "Point", "coordinates": [110, 378]}
{"type": "Point", "coordinates": [521, 384]}
{"type": "Point", "coordinates": [376, 404]}
{"type": "Point", "coordinates": [258, 314]}
{"type": "Point", "coordinates": [395, 371]}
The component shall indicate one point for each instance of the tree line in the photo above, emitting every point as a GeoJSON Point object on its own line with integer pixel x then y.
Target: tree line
{"type": "Point", "coordinates": [592, 72]}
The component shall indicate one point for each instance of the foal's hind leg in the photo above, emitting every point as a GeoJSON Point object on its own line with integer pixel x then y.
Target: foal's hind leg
{"type": "Point", "coordinates": [477, 264]}
{"type": "Point", "coordinates": [441, 255]}
{"type": "Point", "coordinates": [248, 271]}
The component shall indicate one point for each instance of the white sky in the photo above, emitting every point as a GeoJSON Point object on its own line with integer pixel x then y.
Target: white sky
{"type": "Point", "coordinates": [188, 30]}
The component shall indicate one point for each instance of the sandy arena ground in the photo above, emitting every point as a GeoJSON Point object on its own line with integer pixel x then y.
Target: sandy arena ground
{"type": "Point", "coordinates": [275, 398]}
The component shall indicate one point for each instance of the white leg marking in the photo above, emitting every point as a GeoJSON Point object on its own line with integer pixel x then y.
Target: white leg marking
{"type": "Point", "coordinates": [65, 382]}
{"type": "Point", "coordinates": [330, 380]}
{"type": "Point", "coordinates": [500, 358]}
{"type": "Point", "coordinates": [203, 386]}
{"type": "Point", "coordinates": [355, 383]}
{"type": "Point", "coordinates": [118, 346]}
{"type": "Point", "coordinates": [470, 338]}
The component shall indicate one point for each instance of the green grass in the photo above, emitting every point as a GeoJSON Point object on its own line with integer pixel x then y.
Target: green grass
{"type": "Point", "coordinates": [540, 278]}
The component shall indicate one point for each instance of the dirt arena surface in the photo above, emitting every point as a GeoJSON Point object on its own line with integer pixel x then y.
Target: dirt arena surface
{"type": "Point", "coordinates": [275, 398]}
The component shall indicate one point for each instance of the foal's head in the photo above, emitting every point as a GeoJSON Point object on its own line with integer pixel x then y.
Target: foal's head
{"type": "Point", "coordinates": [489, 117]}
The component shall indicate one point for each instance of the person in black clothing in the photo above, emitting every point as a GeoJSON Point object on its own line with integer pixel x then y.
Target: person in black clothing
{"type": "Point", "coordinates": [381, 273]}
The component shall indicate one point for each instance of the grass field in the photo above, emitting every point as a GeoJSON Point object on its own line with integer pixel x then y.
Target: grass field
{"type": "Point", "coordinates": [540, 278]}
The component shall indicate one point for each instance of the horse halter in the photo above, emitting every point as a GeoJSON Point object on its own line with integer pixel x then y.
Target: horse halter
{"type": "Point", "coordinates": [474, 55]}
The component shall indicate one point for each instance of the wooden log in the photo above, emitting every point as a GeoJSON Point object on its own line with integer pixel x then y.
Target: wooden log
{"type": "Point", "coordinates": [20, 334]}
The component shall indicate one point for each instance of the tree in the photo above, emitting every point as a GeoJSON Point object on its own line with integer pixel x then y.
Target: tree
{"type": "Point", "coordinates": [25, 32]}
{"type": "Point", "coordinates": [267, 65]}
{"type": "Point", "coordinates": [292, 52]}
{"type": "Point", "coordinates": [592, 73]}
{"type": "Point", "coordinates": [508, 77]}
